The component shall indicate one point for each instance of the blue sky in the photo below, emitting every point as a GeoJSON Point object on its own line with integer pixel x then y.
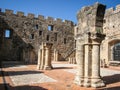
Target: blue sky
{"type": "Point", "coordinates": [64, 9]}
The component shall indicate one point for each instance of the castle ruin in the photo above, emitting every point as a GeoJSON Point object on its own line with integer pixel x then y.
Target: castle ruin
{"type": "Point", "coordinates": [95, 39]}
{"type": "Point", "coordinates": [21, 36]}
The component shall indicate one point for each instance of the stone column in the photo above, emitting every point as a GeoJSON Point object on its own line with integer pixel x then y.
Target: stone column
{"type": "Point", "coordinates": [43, 57]}
{"type": "Point", "coordinates": [95, 78]}
{"type": "Point", "coordinates": [39, 58]}
{"type": "Point", "coordinates": [55, 55]}
{"type": "Point", "coordinates": [80, 64]}
{"type": "Point", "coordinates": [69, 60]}
{"type": "Point", "coordinates": [87, 66]}
{"type": "Point", "coordinates": [47, 59]}
{"type": "Point", "coordinates": [57, 58]}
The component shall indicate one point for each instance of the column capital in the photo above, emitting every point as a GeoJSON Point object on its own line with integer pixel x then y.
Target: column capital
{"type": "Point", "coordinates": [97, 38]}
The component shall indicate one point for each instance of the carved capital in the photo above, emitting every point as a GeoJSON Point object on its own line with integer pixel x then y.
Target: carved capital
{"type": "Point", "coordinates": [97, 37]}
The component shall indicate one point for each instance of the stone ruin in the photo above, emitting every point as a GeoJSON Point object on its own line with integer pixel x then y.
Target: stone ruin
{"type": "Point", "coordinates": [26, 34]}
{"type": "Point", "coordinates": [44, 56]}
{"type": "Point", "coordinates": [88, 40]}
{"type": "Point", "coordinates": [39, 40]}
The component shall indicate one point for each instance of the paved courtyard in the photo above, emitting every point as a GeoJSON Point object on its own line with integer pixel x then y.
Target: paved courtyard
{"type": "Point", "coordinates": [18, 76]}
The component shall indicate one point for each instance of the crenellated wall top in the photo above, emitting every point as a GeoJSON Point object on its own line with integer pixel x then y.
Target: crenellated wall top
{"type": "Point", "coordinates": [111, 11]}
{"type": "Point", "coordinates": [39, 17]}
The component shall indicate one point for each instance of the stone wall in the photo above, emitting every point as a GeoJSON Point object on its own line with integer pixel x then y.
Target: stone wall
{"type": "Point", "coordinates": [28, 32]}
{"type": "Point", "coordinates": [111, 27]}
{"type": "Point", "coordinates": [89, 22]}
{"type": "Point", "coordinates": [88, 40]}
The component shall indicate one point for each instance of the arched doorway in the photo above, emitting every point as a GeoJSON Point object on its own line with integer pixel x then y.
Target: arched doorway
{"type": "Point", "coordinates": [114, 50]}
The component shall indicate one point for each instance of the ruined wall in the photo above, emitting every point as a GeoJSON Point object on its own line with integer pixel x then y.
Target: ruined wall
{"type": "Point", "coordinates": [28, 32]}
{"type": "Point", "coordinates": [112, 21]}
{"type": "Point", "coordinates": [111, 28]}
{"type": "Point", "coordinates": [90, 19]}
{"type": "Point", "coordinates": [109, 25]}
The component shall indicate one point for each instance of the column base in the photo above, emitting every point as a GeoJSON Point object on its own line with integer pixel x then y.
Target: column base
{"type": "Point", "coordinates": [87, 82]}
{"type": "Point", "coordinates": [42, 67]}
{"type": "Point", "coordinates": [97, 83]}
{"type": "Point", "coordinates": [78, 81]}
{"type": "Point", "coordinates": [47, 67]}
{"type": "Point", "coordinates": [38, 67]}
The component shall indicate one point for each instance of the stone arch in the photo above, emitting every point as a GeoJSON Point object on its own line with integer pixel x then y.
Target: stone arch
{"type": "Point", "coordinates": [111, 49]}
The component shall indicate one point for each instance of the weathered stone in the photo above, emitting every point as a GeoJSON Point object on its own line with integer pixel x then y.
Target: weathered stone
{"type": "Point", "coordinates": [28, 32]}
{"type": "Point", "coordinates": [44, 56]}
{"type": "Point", "coordinates": [88, 41]}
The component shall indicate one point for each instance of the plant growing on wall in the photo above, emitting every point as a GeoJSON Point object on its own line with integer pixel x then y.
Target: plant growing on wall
{"type": "Point", "coordinates": [98, 30]}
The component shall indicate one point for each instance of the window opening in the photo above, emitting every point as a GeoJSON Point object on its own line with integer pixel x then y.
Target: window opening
{"type": "Point", "coordinates": [36, 26]}
{"type": "Point", "coordinates": [40, 33]}
{"type": "Point", "coordinates": [50, 27]}
{"type": "Point", "coordinates": [116, 50]}
{"type": "Point", "coordinates": [55, 36]}
{"type": "Point", "coordinates": [32, 36]}
{"type": "Point", "coordinates": [64, 40]}
{"type": "Point", "coordinates": [47, 38]}
{"type": "Point", "coordinates": [7, 33]}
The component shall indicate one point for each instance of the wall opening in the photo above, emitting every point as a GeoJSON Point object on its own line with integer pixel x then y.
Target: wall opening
{"type": "Point", "coordinates": [7, 33]}
{"type": "Point", "coordinates": [47, 38]}
{"type": "Point", "coordinates": [36, 26]}
{"type": "Point", "coordinates": [50, 27]}
{"type": "Point", "coordinates": [40, 33]}
{"type": "Point", "coordinates": [32, 36]}
{"type": "Point", "coordinates": [64, 40]}
{"type": "Point", "coordinates": [116, 52]}
{"type": "Point", "coordinates": [55, 36]}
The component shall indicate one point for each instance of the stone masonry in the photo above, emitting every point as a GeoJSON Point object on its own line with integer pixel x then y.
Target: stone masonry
{"type": "Point", "coordinates": [26, 34]}
{"type": "Point", "coordinates": [44, 57]}
{"type": "Point", "coordinates": [88, 41]}
{"type": "Point", "coordinates": [38, 39]}
{"type": "Point", "coordinates": [110, 26]}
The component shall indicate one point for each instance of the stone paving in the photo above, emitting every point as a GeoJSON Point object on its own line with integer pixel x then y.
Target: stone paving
{"type": "Point", "coordinates": [104, 72]}
{"type": "Point", "coordinates": [30, 79]}
{"type": "Point", "coordinates": [25, 77]}
{"type": "Point", "coordinates": [61, 77]}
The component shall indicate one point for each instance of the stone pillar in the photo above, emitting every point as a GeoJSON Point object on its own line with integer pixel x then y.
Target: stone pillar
{"type": "Point", "coordinates": [87, 66]}
{"type": "Point", "coordinates": [39, 58]}
{"type": "Point", "coordinates": [43, 57]}
{"type": "Point", "coordinates": [69, 59]}
{"type": "Point", "coordinates": [47, 59]}
{"type": "Point", "coordinates": [90, 28]}
{"type": "Point", "coordinates": [95, 78]}
{"type": "Point", "coordinates": [55, 55]}
{"type": "Point", "coordinates": [80, 64]}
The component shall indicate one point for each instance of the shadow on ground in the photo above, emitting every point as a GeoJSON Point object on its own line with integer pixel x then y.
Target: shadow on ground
{"type": "Point", "coordinates": [111, 88]}
{"type": "Point", "coordinates": [14, 73]}
{"type": "Point", "coordinates": [62, 67]}
{"type": "Point", "coordinates": [24, 87]}
{"type": "Point", "coordinates": [112, 79]}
